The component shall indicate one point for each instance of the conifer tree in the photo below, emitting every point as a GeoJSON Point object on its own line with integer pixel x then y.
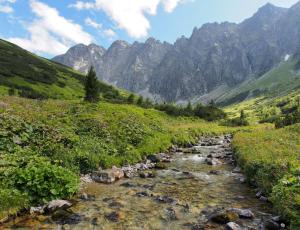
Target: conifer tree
{"type": "Point", "coordinates": [91, 86]}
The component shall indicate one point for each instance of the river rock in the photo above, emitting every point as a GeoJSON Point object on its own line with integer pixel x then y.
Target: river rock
{"type": "Point", "coordinates": [114, 216]}
{"type": "Point", "coordinates": [232, 226]}
{"type": "Point", "coordinates": [243, 213]}
{"type": "Point", "coordinates": [223, 216]}
{"type": "Point", "coordinates": [37, 210]}
{"type": "Point", "coordinates": [148, 174]}
{"type": "Point", "coordinates": [108, 176]}
{"type": "Point", "coordinates": [271, 225]}
{"type": "Point", "coordinates": [87, 197]}
{"type": "Point", "coordinates": [57, 204]}
{"type": "Point", "coordinates": [166, 199]}
{"type": "Point", "coordinates": [171, 214]}
{"type": "Point", "coordinates": [142, 194]}
{"type": "Point", "coordinates": [237, 170]}
{"type": "Point", "coordinates": [212, 161]}
{"type": "Point", "coordinates": [128, 185]}
{"type": "Point", "coordinates": [160, 165]}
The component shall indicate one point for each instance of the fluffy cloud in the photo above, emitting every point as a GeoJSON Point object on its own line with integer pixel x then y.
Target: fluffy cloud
{"type": "Point", "coordinates": [5, 6]}
{"type": "Point", "coordinates": [109, 33]}
{"type": "Point", "coordinates": [51, 33]}
{"type": "Point", "coordinates": [90, 22]}
{"type": "Point", "coordinates": [130, 15]}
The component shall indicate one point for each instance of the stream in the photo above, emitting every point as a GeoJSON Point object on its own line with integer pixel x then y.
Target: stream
{"type": "Point", "coordinates": [198, 184]}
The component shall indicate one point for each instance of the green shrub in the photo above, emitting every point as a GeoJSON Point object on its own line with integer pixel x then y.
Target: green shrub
{"type": "Point", "coordinates": [11, 201]}
{"type": "Point", "coordinates": [37, 177]}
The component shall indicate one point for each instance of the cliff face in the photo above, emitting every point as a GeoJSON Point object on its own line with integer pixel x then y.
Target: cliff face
{"type": "Point", "coordinates": [215, 55]}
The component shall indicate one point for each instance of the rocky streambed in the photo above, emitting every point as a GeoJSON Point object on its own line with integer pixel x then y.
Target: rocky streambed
{"type": "Point", "coordinates": [189, 188]}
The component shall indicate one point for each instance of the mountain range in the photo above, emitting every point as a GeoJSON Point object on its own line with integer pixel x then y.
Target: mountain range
{"type": "Point", "coordinates": [216, 59]}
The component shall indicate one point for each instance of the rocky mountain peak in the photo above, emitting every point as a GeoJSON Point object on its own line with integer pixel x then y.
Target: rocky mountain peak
{"type": "Point", "coordinates": [216, 55]}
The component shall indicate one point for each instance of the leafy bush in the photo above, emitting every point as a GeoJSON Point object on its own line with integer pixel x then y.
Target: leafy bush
{"type": "Point", "coordinates": [37, 177]}
{"type": "Point", "coordinates": [11, 201]}
{"type": "Point", "coordinates": [288, 119]}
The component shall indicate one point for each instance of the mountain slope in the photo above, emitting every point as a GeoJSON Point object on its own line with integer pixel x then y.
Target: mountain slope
{"type": "Point", "coordinates": [35, 77]}
{"type": "Point", "coordinates": [216, 56]}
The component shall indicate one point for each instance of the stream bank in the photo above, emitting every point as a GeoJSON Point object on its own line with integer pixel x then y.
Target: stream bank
{"type": "Point", "coordinates": [195, 188]}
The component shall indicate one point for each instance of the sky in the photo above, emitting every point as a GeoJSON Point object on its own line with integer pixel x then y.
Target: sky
{"type": "Point", "coordinates": [50, 27]}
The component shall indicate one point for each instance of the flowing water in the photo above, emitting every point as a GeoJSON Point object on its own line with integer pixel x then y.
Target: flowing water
{"type": "Point", "coordinates": [179, 197]}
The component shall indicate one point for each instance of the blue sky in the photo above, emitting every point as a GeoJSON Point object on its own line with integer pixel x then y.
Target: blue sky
{"type": "Point", "coordinates": [50, 27]}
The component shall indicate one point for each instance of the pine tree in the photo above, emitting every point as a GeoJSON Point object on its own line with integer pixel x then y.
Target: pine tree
{"type": "Point", "coordinates": [140, 101]}
{"type": "Point", "coordinates": [91, 86]}
{"type": "Point", "coordinates": [130, 99]}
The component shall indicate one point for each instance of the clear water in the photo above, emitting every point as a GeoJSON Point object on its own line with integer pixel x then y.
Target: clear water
{"type": "Point", "coordinates": [199, 189]}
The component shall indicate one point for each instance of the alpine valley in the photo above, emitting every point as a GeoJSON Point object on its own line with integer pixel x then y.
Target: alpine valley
{"type": "Point", "coordinates": [216, 59]}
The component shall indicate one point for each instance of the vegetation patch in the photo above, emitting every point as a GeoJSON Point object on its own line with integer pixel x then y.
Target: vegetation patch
{"type": "Point", "coordinates": [270, 160]}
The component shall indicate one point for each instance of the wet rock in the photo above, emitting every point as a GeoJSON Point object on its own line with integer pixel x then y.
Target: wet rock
{"type": "Point", "coordinates": [160, 165]}
{"type": "Point", "coordinates": [148, 174]}
{"type": "Point", "coordinates": [263, 198]}
{"type": "Point", "coordinates": [128, 185]}
{"type": "Point", "coordinates": [232, 226]}
{"type": "Point", "coordinates": [95, 221]}
{"type": "Point", "coordinates": [117, 172]}
{"type": "Point", "coordinates": [115, 204]}
{"type": "Point", "coordinates": [103, 177]}
{"type": "Point", "coordinates": [223, 216]}
{"type": "Point", "coordinates": [166, 199]}
{"type": "Point", "coordinates": [108, 176]}
{"type": "Point", "coordinates": [160, 157]}
{"type": "Point", "coordinates": [197, 226]}
{"type": "Point", "coordinates": [114, 216]}
{"type": "Point", "coordinates": [271, 225]}
{"type": "Point", "coordinates": [87, 197]}
{"type": "Point", "coordinates": [149, 186]}
{"type": "Point", "coordinates": [171, 214]}
{"type": "Point", "coordinates": [215, 172]}
{"type": "Point", "coordinates": [57, 204]}
{"type": "Point", "coordinates": [65, 217]}
{"type": "Point", "coordinates": [212, 161]}
{"type": "Point", "coordinates": [142, 194]}
{"type": "Point", "coordinates": [243, 213]}
{"type": "Point", "coordinates": [259, 194]}
{"type": "Point", "coordinates": [237, 170]}
{"type": "Point", "coordinates": [129, 171]}
{"type": "Point", "coordinates": [37, 210]}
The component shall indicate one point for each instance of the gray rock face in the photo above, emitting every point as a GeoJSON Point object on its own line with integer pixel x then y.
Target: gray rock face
{"type": "Point", "coordinates": [215, 55]}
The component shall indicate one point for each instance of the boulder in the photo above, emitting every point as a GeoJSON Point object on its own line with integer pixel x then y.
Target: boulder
{"type": "Point", "coordinates": [243, 213]}
{"type": "Point", "coordinates": [223, 216]}
{"type": "Point", "coordinates": [232, 226]}
{"type": "Point", "coordinates": [108, 176]}
{"type": "Point", "coordinates": [147, 174]}
{"type": "Point", "coordinates": [57, 204]}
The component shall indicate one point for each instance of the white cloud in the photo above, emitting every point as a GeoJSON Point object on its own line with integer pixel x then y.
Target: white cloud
{"type": "Point", "coordinates": [6, 9]}
{"type": "Point", "coordinates": [90, 22]}
{"type": "Point", "coordinates": [130, 15]}
{"type": "Point", "coordinates": [109, 33]}
{"type": "Point", "coordinates": [51, 33]}
{"type": "Point", "coordinates": [5, 6]}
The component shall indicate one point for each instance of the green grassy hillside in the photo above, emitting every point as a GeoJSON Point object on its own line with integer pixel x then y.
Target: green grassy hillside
{"type": "Point", "coordinates": [279, 82]}
{"type": "Point", "coordinates": [35, 77]}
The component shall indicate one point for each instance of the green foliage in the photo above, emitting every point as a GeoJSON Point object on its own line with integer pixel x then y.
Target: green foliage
{"type": "Point", "coordinates": [209, 113]}
{"type": "Point", "coordinates": [37, 177]}
{"type": "Point", "coordinates": [270, 160]}
{"type": "Point", "coordinates": [140, 101]}
{"type": "Point", "coordinates": [288, 119]}
{"type": "Point", "coordinates": [130, 99]}
{"type": "Point", "coordinates": [91, 86]}
{"type": "Point", "coordinates": [11, 92]}
{"type": "Point", "coordinates": [239, 121]}
{"type": "Point", "coordinates": [11, 201]}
